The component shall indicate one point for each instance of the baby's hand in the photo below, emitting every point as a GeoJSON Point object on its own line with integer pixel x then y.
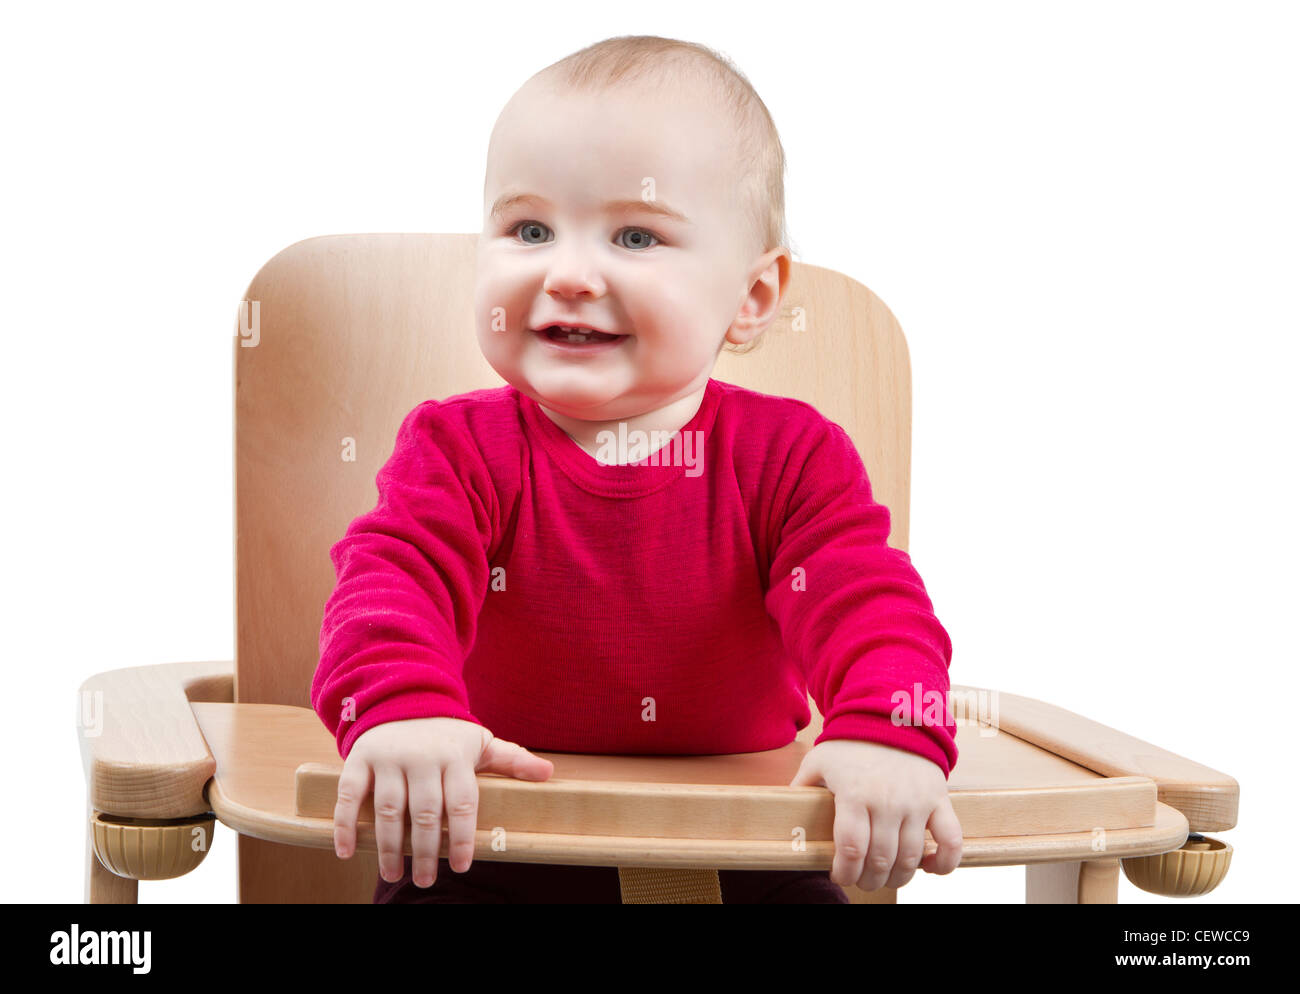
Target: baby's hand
{"type": "Point", "coordinates": [885, 798]}
{"type": "Point", "coordinates": [436, 758]}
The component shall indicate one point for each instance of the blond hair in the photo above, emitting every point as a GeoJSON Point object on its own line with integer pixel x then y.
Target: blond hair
{"type": "Point", "coordinates": [631, 58]}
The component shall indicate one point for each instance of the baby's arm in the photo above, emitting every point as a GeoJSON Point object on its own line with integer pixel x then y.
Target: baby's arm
{"type": "Point", "coordinates": [412, 575]}
{"type": "Point", "coordinates": [855, 615]}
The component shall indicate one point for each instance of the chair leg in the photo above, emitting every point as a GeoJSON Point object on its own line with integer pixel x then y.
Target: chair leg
{"type": "Point", "coordinates": [1093, 881]}
{"type": "Point", "coordinates": [102, 885]}
{"type": "Point", "coordinates": [882, 895]}
{"type": "Point", "coordinates": [645, 885]}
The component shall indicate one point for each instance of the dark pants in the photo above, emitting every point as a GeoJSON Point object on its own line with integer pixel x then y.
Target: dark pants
{"type": "Point", "coordinates": [495, 882]}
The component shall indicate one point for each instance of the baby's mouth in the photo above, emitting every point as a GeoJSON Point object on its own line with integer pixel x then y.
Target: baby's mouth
{"type": "Point", "coordinates": [576, 336]}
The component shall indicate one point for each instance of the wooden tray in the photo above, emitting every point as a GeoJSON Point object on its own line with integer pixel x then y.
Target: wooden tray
{"type": "Point", "coordinates": [1018, 802]}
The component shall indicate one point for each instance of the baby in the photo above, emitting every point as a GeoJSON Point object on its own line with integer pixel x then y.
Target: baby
{"type": "Point", "coordinates": [530, 580]}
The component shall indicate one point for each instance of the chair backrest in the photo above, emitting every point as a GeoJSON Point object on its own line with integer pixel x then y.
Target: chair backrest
{"type": "Point", "coordinates": [340, 336]}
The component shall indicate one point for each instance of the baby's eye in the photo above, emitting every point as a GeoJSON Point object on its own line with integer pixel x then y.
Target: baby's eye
{"type": "Point", "coordinates": [532, 227]}
{"type": "Point", "coordinates": [642, 237]}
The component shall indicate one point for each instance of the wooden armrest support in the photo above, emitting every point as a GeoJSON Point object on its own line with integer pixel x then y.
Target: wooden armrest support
{"type": "Point", "coordinates": [141, 749]}
{"type": "Point", "coordinates": [1205, 796]}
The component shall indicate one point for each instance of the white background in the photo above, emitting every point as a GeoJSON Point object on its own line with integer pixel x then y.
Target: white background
{"type": "Point", "coordinates": [1084, 216]}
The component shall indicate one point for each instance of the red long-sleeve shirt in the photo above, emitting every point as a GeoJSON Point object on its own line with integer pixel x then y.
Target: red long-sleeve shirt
{"type": "Point", "coordinates": [683, 605]}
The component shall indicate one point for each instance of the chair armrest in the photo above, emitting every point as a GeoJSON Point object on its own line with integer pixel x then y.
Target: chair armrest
{"type": "Point", "coordinates": [1205, 796]}
{"type": "Point", "coordinates": [141, 749]}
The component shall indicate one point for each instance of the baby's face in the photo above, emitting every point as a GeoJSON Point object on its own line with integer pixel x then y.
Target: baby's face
{"type": "Point", "coordinates": [582, 186]}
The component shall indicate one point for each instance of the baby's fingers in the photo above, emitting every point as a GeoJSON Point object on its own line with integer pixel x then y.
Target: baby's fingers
{"type": "Point", "coordinates": [911, 850]}
{"type": "Point", "coordinates": [852, 835]}
{"type": "Point", "coordinates": [460, 786]}
{"type": "Point", "coordinates": [424, 791]}
{"type": "Point", "coordinates": [390, 820]}
{"type": "Point", "coordinates": [882, 853]}
{"type": "Point", "coordinates": [354, 787]}
{"type": "Point", "coordinates": [946, 830]}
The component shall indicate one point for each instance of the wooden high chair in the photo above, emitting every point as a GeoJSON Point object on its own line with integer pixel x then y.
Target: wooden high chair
{"type": "Point", "coordinates": [339, 338]}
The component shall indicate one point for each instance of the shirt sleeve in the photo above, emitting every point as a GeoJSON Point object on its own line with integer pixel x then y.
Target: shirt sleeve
{"type": "Point", "coordinates": [855, 614]}
{"type": "Point", "coordinates": [411, 577]}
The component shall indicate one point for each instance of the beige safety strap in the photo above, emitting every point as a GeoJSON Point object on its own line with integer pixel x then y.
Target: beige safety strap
{"type": "Point", "coordinates": [643, 885]}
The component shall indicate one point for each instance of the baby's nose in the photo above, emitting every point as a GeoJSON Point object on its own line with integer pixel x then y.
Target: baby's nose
{"type": "Point", "coordinates": [573, 267]}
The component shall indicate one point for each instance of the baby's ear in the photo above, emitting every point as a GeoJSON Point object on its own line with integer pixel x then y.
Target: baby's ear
{"type": "Point", "coordinates": [770, 278]}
